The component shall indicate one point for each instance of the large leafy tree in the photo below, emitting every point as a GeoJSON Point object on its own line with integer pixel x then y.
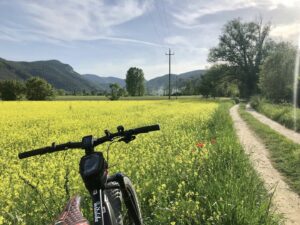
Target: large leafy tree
{"type": "Point", "coordinates": [277, 73]}
{"type": "Point", "coordinates": [219, 80]}
{"type": "Point", "coordinates": [243, 45]}
{"type": "Point", "coordinates": [135, 82]}
{"type": "Point", "coordinates": [11, 89]}
{"type": "Point", "coordinates": [38, 89]}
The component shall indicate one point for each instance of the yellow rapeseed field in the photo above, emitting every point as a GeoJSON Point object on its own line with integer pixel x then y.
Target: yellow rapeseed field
{"type": "Point", "coordinates": [34, 190]}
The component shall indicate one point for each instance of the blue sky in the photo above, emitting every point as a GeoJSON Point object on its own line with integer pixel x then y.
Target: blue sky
{"type": "Point", "coordinates": [106, 37]}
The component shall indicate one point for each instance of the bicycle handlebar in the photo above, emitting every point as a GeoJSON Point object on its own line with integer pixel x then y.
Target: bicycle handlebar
{"type": "Point", "coordinates": [72, 145]}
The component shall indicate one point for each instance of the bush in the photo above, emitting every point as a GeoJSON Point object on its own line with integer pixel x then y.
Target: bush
{"type": "Point", "coordinates": [115, 92]}
{"type": "Point", "coordinates": [255, 101]}
{"type": "Point", "coordinates": [11, 90]}
{"type": "Point", "coordinates": [38, 89]}
{"type": "Point", "coordinates": [236, 100]}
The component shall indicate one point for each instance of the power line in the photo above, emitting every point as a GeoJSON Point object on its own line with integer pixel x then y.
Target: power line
{"type": "Point", "coordinates": [154, 24]}
{"type": "Point", "coordinates": [170, 54]}
{"type": "Point", "coordinates": [166, 17]}
{"type": "Point", "coordinates": [160, 16]}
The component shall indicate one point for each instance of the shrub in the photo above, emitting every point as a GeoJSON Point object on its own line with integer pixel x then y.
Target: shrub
{"type": "Point", "coordinates": [115, 92]}
{"type": "Point", "coordinates": [255, 101]}
{"type": "Point", "coordinates": [38, 89]}
{"type": "Point", "coordinates": [11, 90]}
{"type": "Point", "coordinates": [236, 100]}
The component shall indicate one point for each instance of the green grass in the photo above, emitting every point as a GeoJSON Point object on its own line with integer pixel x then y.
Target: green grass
{"type": "Point", "coordinates": [282, 113]}
{"type": "Point", "coordinates": [146, 97]}
{"type": "Point", "coordinates": [232, 192]}
{"type": "Point", "coordinates": [285, 154]}
{"type": "Point", "coordinates": [91, 97]}
{"type": "Point", "coordinates": [226, 190]}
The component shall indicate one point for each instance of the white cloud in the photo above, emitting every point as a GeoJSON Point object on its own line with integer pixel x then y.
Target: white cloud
{"type": "Point", "coordinates": [287, 32]}
{"type": "Point", "coordinates": [70, 20]}
{"type": "Point", "coordinates": [175, 40]}
{"type": "Point", "coordinates": [185, 44]}
{"type": "Point", "coordinates": [190, 12]}
{"type": "Point", "coordinates": [128, 40]}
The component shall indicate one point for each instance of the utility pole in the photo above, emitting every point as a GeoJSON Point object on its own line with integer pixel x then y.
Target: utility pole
{"type": "Point", "coordinates": [169, 54]}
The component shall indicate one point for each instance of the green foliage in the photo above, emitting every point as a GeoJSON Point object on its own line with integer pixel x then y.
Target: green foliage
{"type": "Point", "coordinates": [38, 89]}
{"type": "Point", "coordinates": [60, 92]}
{"type": "Point", "coordinates": [236, 100]}
{"type": "Point", "coordinates": [115, 92]}
{"type": "Point", "coordinates": [135, 82]}
{"type": "Point", "coordinates": [189, 86]}
{"type": "Point", "coordinates": [255, 101]}
{"type": "Point", "coordinates": [243, 45]}
{"type": "Point", "coordinates": [285, 154]}
{"type": "Point", "coordinates": [282, 113]}
{"type": "Point", "coordinates": [219, 80]}
{"type": "Point", "coordinates": [277, 73]}
{"type": "Point", "coordinates": [11, 90]}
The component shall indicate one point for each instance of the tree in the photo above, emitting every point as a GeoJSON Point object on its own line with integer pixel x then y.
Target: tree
{"type": "Point", "coordinates": [60, 92]}
{"type": "Point", "coordinates": [277, 73]}
{"type": "Point", "coordinates": [189, 86]}
{"type": "Point", "coordinates": [243, 45]}
{"type": "Point", "coordinates": [135, 82]}
{"type": "Point", "coordinates": [38, 89]}
{"type": "Point", "coordinates": [11, 90]}
{"type": "Point", "coordinates": [219, 80]}
{"type": "Point", "coordinates": [115, 91]}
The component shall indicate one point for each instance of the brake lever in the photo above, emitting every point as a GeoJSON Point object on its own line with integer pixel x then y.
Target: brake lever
{"type": "Point", "coordinates": [108, 135]}
{"type": "Point", "coordinates": [127, 139]}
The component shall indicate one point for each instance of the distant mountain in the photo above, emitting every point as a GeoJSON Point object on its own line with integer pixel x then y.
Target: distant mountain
{"type": "Point", "coordinates": [60, 75]}
{"type": "Point", "coordinates": [159, 85]}
{"type": "Point", "coordinates": [102, 83]}
{"type": "Point", "coordinates": [192, 74]}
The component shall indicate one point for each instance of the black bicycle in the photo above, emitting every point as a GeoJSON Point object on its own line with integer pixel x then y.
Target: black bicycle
{"type": "Point", "coordinates": [108, 193]}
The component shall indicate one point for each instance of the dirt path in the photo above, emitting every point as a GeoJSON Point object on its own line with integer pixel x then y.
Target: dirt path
{"type": "Point", "coordinates": [290, 134]}
{"type": "Point", "coordinates": [286, 201]}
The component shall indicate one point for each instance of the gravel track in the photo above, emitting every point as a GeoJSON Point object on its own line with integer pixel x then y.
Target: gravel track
{"type": "Point", "coordinates": [284, 200]}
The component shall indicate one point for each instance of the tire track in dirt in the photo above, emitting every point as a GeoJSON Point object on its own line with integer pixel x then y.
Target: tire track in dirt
{"type": "Point", "coordinates": [288, 133]}
{"type": "Point", "coordinates": [285, 201]}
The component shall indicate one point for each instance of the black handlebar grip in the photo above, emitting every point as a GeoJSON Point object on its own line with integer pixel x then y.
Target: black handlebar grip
{"type": "Point", "coordinates": [50, 149]}
{"type": "Point", "coordinates": [146, 129]}
{"type": "Point", "coordinates": [40, 151]}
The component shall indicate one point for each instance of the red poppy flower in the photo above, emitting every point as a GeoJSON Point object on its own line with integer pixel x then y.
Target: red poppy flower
{"type": "Point", "coordinates": [200, 145]}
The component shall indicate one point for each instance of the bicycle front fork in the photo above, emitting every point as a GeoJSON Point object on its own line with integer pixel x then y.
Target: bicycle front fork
{"type": "Point", "coordinates": [102, 211]}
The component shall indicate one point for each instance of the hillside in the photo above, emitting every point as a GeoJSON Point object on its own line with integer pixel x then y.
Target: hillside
{"type": "Point", "coordinates": [192, 74]}
{"type": "Point", "coordinates": [60, 75]}
{"type": "Point", "coordinates": [159, 85]}
{"type": "Point", "coordinates": [102, 83]}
